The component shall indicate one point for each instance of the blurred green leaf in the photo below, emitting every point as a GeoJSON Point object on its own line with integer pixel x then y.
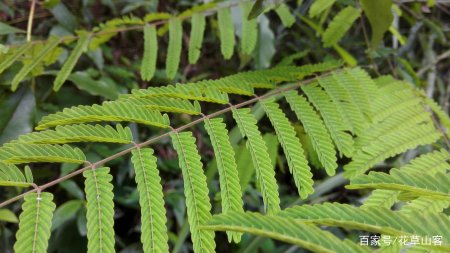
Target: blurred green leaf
{"type": "Point", "coordinates": [7, 29]}
{"type": "Point", "coordinates": [266, 44]}
{"type": "Point", "coordinates": [65, 212]}
{"type": "Point", "coordinates": [94, 87]}
{"type": "Point", "coordinates": [380, 18]}
{"type": "Point", "coordinates": [17, 114]}
{"type": "Point", "coordinates": [8, 216]}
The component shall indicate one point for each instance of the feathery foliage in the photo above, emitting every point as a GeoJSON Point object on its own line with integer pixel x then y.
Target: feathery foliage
{"type": "Point", "coordinates": [292, 147]}
{"type": "Point", "coordinates": [333, 120]}
{"type": "Point", "coordinates": [283, 229]}
{"type": "Point", "coordinates": [195, 190]}
{"type": "Point", "coordinates": [373, 219]}
{"type": "Point", "coordinates": [100, 210]}
{"type": "Point", "coordinates": [174, 47]}
{"type": "Point", "coordinates": [333, 110]}
{"type": "Point", "coordinates": [14, 56]}
{"type": "Point", "coordinates": [68, 66]}
{"type": "Point", "coordinates": [148, 65]}
{"type": "Point", "coordinates": [261, 160]}
{"type": "Point", "coordinates": [79, 133]}
{"type": "Point", "coordinates": [339, 26]}
{"type": "Point", "coordinates": [196, 37]}
{"type": "Point", "coordinates": [27, 68]}
{"type": "Point", "coordinates": [153, 222]}
{"type": "Point", "coordinates": [17, 153]}
{"type": "Point", "coordinates": [226, 31]}
{"type": "Point", "coordinates": [320, 6]}
{"type": "Point", "coordinates": [10, 175]}
{"type": "Point", "coordinates": [434, 186]}
{"type": "Point", "coordinates": [249, 34]}
{"type": "Point", "coordinates": [316, 130]}
{"type": "Point", "coordinates": [35, 223]}
{"type": "Point", "coordinates": [108, 111]}
{"type": "Point", "coordinates": [228, 174]}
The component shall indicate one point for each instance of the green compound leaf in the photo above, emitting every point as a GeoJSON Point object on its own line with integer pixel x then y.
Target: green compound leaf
{"type": "Point", "coordinates": [249, 34]}
{"type": "Point", "coordinates": [226, 32]}
{"type": "Point", "coordinates": [174, 48]}
{"type": "Point", "coordinates": [196, 37]}
{"type": "Point", "coordinates": [284, 229]}
{"type": "Point", "coordinates": [265, 173]}
{"type": "Point", "coordinates": [195, 190]}
{"type": "Point", "coordinates": [108, 111]}
{"type": "Point", "coordinates": [35, 223]}
{"type": "Point", "coordinates": [150, 57]}
{"type": "Point", "coordinates": [27, 68]}
{"type": "Point", "coordinates": [339, 26]}
{"type": "Point", "coordinates": [68, 66]}
{"type": "Point", "coordinates": [100, 210]}
{"type": "Point", "coordinates": [315, 129]}
{"type": "Point", "coordinates": [298, 165]}
{"type": "Point", "coordinates": [17, 153]}
{"type": "Point", "coordinates": [228, 174]}
{"type": "Point", "coordinates": [154, 235]}
{"type": "Point", "coordinates": [80, 133]}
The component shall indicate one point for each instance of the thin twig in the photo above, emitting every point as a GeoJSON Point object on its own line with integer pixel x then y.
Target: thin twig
{"type": "Point", "coordinates": [30, 20]}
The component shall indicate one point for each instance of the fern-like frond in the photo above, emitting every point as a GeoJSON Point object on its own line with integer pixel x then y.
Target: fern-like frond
{"type": "Point", "coordinates": [436, 186]}
{"type": "Point", "coordinates": [264, 171]}
{"type": "Point", "coordinates": [100, 210]}
{"type": "Point", "coordinates": [230, 189]}
{"type": "Point", "coordinates": [332, 118]}
{"type": "Point", "coordinates": [284, 229]}
{"type": "Point", "coordinates": [315, 129]}
{"type": "Point", "coordinates": [320, 6]}
{"type": "Point", "coordinates": [339, 26]}
{"type": "Point", "coordinates": [396, 97]}
{"type": "Point", "coordinates": [424, 205]}
{"type": "Point", "coordinates": [298, 165]}
{"type": "Point", "coordinates": [390, 144]}
{"type": "Point", "coordinates": [68, 66]}
{"type": "Point", "coordinates": [148, 64]}
{"type": "Point", "coordinates": [35, 223]}
{"type": "Point", "coordinates": [195, 189]}
{"type": "Point", "coordinates": [13, 56]}
{"type": "Point", "coordinates": [79, 133]}
{"type": "Point", "coordinates": [441, 114]}
{"type": "Point", "coordinates": [196, 37]}
{"type": "Point", "coordinates": [184, 91]}
{"type": "Point", "coordinates": [407, 118]}
{"type": "Point", "coordinates": [17, 153]}
{"type": "Point", "coordinates": [10, 175]}
{"type": "Point", "coordinates": [381, 198]}
{"type": "Point", "coordinates": [374, 219]}
{"type": "Point", "coordinates": [153, 219]}
{"type": "Point", "coordinates": [429, 163]}
{"type": "Point", "coordinates": [351, 113]}
{"type": "Point", "coordinates": [108, 111]}
{"type": "Point", "coordinates": [164, 104]}
{"type": "Point", "coordinates": [285, 15]}
{"type": "Point", "coordinates": [361, 87]}
{"type": "Point", "coordinates": [249, 34]}
{"type": "Point", "coordinates": [174, 47]}
{"type": "Point", "coordinates": [226, 32]}
{"type": "Point", "coordinates": [27, 68]}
